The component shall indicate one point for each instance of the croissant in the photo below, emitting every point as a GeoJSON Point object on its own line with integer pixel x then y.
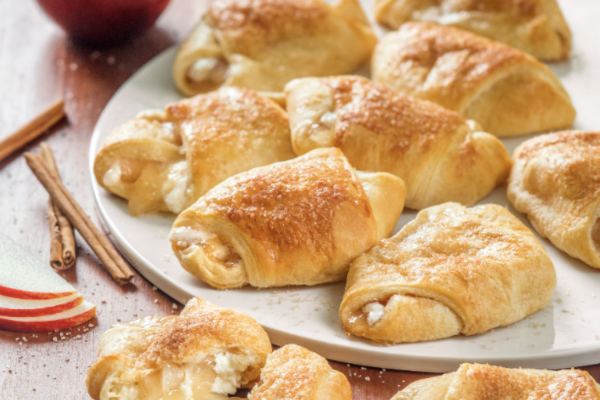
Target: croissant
{"type": "Point", "coordinates": [298, 222]}
{"type": "Point", "coordinates": [507, 91]}
{"type": "Point", "coordinates": [556, 182]}
{"type": "Point", "coordinates": [476, 382]}
{"type": "Point", "coordinates": [263, 44]}
{"type": "Point", "coordinates": [207, 352]}
{"type": "Point", "coordinates": [534, 26]}
{"type": "Point", "coordinates": [440, 156]}
{"type": "Point", "coordinates": [165, 160]}
{"type": "Point", "coordinates": [294, 373]}
{"type": "Point", "coordinates": [453, 270]}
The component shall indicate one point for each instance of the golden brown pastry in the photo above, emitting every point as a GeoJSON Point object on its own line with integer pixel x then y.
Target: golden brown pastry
{"type": "Point", "coordinates": [507, 91]}
{"type": "Point", "coordinates": [165, 160]}
{"type": "Point", "coordinates": [534, 26]}
{"type": "Point", "coordinates": [207, 352]}
{"type": "Point", "coordinates": [298, 222]}
{"type": "Point", "coordinates": [453, 270]}
{"type": "Point", "coordinates": [556, 182]}
{"type": "Point", "coordinates": [479, 382]}
{"type": "Point", "coordinates": [263, 44]}
{"type": "Point", "coordinates": [295, 373]}
{"type": "Point", "coordinates": [440, 156]}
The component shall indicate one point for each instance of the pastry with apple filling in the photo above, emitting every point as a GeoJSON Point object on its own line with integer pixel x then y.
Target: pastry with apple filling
{"type": "Point", "coordinates": [440, 156]}
{"type": "Point", "coordinates": [165, 160]}
{"type": "Point", "coordinates": [476, 381]}
{"type": "Point", "coordinates": [504, 89]}
{"type": "Point", "coordinates": [263, 44]}
{"type": "Point", "coordinates": [297, 222]}
{"type": "Point", "coordinates": [534, 26]}
{"type": "Point", "coordinates": [452, 270]}
{"type": "Point", "coordinates": [293, 372]}
{"type": "Point", "coordinates": [556, 182]}
{"type": "Point", "coordinates": [207, 352]}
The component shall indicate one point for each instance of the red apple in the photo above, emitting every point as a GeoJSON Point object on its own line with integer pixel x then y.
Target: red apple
{"type": "Point", "coordinates": [63, 320]}
{"type": "Point", "coordinates": [36, 308]}
{"type": "Point", "coordinates": [103, 22]}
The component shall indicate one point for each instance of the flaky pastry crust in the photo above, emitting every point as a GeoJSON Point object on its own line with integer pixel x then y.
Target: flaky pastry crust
{"type": "Point", "coordinates": [154, 356]}
{"type": "Point", "coordinates": [440, 156]}
{"type": "Point", "coordinates": [504, 89]}
{"type": "Point", "coordinates": [298, 222]}
{"type": "Point", "coordinates": [476, 381]}
{"type": "Point", "coordinates": [263, 44]}
{"type": "Point", "coordinates": [165, 160]}
{"type": "Point", "coordinates": [556, 182]}
{"type": "Point", "coordinates": [295, 373]}
{"type": "Point", "coordinates": [452, 270]}
{"type": "Point", "coordinates": [534, 26]}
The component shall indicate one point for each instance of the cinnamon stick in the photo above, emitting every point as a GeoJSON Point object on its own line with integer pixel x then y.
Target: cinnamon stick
{"type": "Point", "coordinates": [62, 239]}
{"type": "Point", "coordinates": [32, 129]}
{"type": "Point", "coordinates": [105, 251]}
{"type": "Point", "coordinates": [56, 247]}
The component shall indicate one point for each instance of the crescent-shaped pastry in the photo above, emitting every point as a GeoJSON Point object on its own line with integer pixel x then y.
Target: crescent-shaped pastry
{"type": "Point", "coordinates": [534, 26]}
{"type": "Point", "coordinates": [478, 382]}
{"type": "Point", "coordinates": [440, 156]}
{"type": "Point", "coordinates": [504, 89]}
{"type": "Point", "coordinates": [453, 270]}
{"type": "Point", "coordinates": [165, 160]}
{"type": "Point", "coordinates": [556, 182]}
{"type": "Point", "coordinates": [263, 44]}
{"type": "Point", "coordinates": [298, 222]}
{"type": "Point", "coordinates": [295, 373]}
{"type": "Point", "coordinates": [207, 352]}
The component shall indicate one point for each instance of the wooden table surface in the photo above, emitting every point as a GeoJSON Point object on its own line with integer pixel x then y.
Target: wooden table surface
{"type": "Point", "coordinates": [37, 66]}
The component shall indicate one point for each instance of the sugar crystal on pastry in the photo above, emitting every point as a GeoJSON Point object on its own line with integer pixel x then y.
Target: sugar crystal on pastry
{"type": "Point", "coordinates": [440, 156]}
{"type": "Point", "coordinates": [298, 222]}
{"type": "Point", "coordinates": [556, 182]}
{"type": "Point", "coordinates": [534, 26]}
{"type": "Point", "coordinates": [165, 160]}
{"type": "Point", "coordinates": [207, 352]}
{"type": "Point", "coordinates": [263, 44]}
{"type": "Point", "coordinates": [477, 381]}
{"type": "Point", "coordinates": [504, 89]}
{"type": "Point", "coordinates": [453, 270]}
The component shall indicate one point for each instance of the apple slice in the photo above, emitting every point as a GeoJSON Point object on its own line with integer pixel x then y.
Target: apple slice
{"type": "Point", "coordinates": [12, 307]}
{"type": "Point", "coordinates": [62, 320]}
{"type": "Point", "coordinates": [22, 276]}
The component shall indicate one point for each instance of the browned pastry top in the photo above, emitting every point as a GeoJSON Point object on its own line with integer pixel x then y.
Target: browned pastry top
{"type": "Point", "coordinates": [458, 58]}
{"type": "Point", "coordinates": [387, 112]}
{"type": "Point", "coordinates": [292, 204]}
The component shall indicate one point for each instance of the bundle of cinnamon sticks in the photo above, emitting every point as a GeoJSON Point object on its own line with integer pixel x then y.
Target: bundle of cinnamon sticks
{"type": "Point", "coordinates": [62, 240]}
{"type": "Point", "coordinates": [64, 202]}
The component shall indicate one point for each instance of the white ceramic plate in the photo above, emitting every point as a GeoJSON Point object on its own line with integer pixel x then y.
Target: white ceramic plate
{"type": "Point", "coordinates": [564, 334]}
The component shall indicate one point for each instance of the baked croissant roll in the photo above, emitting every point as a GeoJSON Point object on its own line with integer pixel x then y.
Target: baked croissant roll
{"type": "Point", "coordinates": [556, 182]}
{"type": "Point", "coordinates": [440, 156]}
{"type": "Point", "coordinates": [534, 26]}
{"type": "Point", "coordinates": [507, 91]}
{"type": "Point", "coordinates": [298, 222]}
{"type": "Point", "coordinates": [476, 382]}
{"type": "Point", "coordinates": [165, 160]}
{"type": "Point", "coordinates": [452, 270]}
{"type": "Point", "coordinates": [293, 372]}
{"type": "Point", "coordinates": [263, 44]}
{"type": "Point", "coordinates": [207, 352]}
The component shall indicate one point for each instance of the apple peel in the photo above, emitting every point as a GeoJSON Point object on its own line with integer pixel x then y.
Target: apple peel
{"type": "Point", "coordinates": [40, 308]}
{"type": "Point", "coordinates": [63, 320]}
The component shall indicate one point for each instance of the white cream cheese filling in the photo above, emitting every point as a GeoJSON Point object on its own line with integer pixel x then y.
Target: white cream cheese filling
{"type": "Point", "coordinates": [176, 189]}
{"type": "Point", "coordinates": [112, 177]}
{"type": "Point", "coordinates": [208, 69]}
{"type": "Point", "coordinates": [229, 370]}
{"type": "Point", "coordinates": [375, 311]}
{"type": "Point", "coordinates": [185, 236]}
